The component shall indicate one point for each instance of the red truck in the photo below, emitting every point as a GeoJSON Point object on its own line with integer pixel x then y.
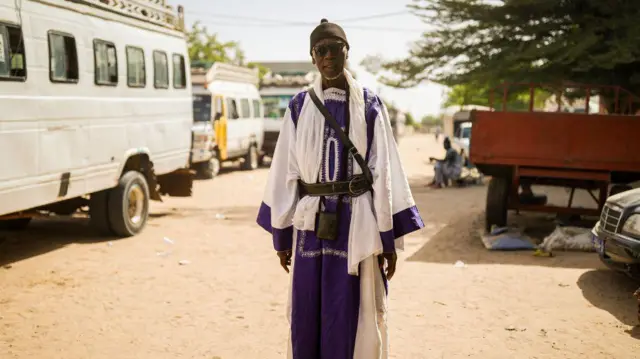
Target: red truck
{"type": "Point", "coordinates": [591, 151]}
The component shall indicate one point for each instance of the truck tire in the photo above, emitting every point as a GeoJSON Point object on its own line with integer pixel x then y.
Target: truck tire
{"type": "Point", "coordinates": [251, 159]}
{"type": "Point", "coordinates": [99, 213]}
{"type": "Point", "coordinates": [619, 188]}
{"type": "Point", "coordinates": [497, 202]}
{"type": "Point", "coordinates": [128, 205]}
{"type": "Point", "coordinates": [17, 224]}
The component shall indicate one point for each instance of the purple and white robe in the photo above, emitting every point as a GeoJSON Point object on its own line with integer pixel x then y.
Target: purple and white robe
{"type": "Point", "coordinates": [337, 298]}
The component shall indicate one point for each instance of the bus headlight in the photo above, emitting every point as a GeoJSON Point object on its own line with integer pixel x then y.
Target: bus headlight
{"type": "Point", "coordinates": [632, 225]}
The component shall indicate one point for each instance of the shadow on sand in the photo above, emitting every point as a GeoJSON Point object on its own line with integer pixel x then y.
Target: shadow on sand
{"type": "Point", "coordinates": [612, 292]}
{"type": "Point", "coordinates": [46, 235]}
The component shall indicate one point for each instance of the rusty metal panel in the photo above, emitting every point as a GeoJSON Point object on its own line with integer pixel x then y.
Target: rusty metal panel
{"type": "Point", "coordinates": [557, 140]}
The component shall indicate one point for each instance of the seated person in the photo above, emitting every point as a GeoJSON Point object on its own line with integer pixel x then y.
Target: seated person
{"type": "Point", "coordinates": [448, 168]}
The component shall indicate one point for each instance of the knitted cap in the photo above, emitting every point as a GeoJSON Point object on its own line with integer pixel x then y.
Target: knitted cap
{"type": "Point", "coordinates": [327, 30]}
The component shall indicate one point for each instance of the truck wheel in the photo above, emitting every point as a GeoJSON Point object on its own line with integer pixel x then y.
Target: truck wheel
{"type": "Point", "coordinates": [619, 188]}
{"type": "Point", "coordinates": [99, 213]}
{"type": "Point", "coordinates": [128, 205]}
{"type": "Point", "coordinates": [17, 224]}
{"type": "Point", "coordinates": [497, 200]}
{"type": "Point", "coordinates": [251, 159]}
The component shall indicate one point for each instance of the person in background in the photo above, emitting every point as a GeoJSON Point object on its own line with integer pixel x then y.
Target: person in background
{"type": "Point", "coordinates": [448, 168]}
{"type": "Point", "coordinates": [337, 213]}
{"type": "Point", "coordinates": [437, 133]}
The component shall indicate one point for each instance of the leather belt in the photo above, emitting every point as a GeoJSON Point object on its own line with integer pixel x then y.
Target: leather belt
{"type": "Point", "coordinates": [356, 186]}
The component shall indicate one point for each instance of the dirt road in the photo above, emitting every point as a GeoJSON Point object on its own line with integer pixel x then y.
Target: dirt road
{"type": "Point", "coordinates": [69, 295]}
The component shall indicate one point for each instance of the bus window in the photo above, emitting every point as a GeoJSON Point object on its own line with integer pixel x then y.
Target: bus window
{"type": "Point", "coordinates": [106, 63]}
{"type": "Point", "coordinates": [201, 108]}
{"type": "Point", "coordinates": [136, 71]}
{"type": "Point", "coordinates": [257, 109]}
{"type": "Point", "coordinates": [233, 109]}
{"type": "Point", "coordinates": [179, 78]}
{"type": "Point", "coordinates": [246, 108]}
{"type": "Point", "coordinates": [63, 58]}
{"type": "Point", "coordinates": [160, 70]}
{"type": "Point", "coordinates": [12, 56]}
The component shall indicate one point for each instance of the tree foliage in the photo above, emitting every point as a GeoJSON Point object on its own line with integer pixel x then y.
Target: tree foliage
{"type": "Point", "coordinates": [207, 48]}
{"type": "Point", "coordinates": [543, 41]}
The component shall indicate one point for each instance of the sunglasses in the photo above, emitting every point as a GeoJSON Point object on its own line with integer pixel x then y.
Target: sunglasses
{"type": "Point", "coordinates": [323, 50]}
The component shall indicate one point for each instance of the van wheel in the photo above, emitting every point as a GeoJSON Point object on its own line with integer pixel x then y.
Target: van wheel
{"type": "Point", "coordinates": [128, 205]}
{"type": "Point", "coordinates": [251, 159]}
{"type": "Point", "coordinates": [17, 224]}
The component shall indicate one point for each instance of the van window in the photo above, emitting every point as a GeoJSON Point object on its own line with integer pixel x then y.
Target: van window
{"type": "Point", "coordinates": [232, 108]}
{"type": "Point", "coordinates": [246, 108]}
{"type": "Point", "coordinates": [12, 56]}
{"type": "Point", "coordinates": [106, 63]}
{"type": "Point", "coordinates": [63, 58]}
{"type": "Point", "coordinates": [179, 78]}
{"type": "Point", "coordinates": [218, 108]}
{"type": "Point", "coordinates": [257, 108]}
{"type": "Point", "coordinates": [160, 70]}
{"type": "Point", "coordinates": [136, 70]}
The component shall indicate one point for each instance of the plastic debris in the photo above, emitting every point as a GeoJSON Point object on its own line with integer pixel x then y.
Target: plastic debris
{"type": "Point", "coordinates": [506, 239]}
{"type": "Point", "coordinates": [184, 262]}
{"type": "Point", "coordinates": [168, 240]}
{"type": "Point", "coordinates": [569, 238]}
{"type": "Point", "coordinates": [540, 253]}
{"type": "Point", "coordinates": [459, 264]}
{"type": "Point", "coordinates": [220, 216]}
{"type": "Point", "coordinates": [110, 244]}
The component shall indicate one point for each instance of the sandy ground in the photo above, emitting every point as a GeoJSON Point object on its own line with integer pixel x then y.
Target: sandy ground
{"type": "Point", "coordinates": [68, 294]}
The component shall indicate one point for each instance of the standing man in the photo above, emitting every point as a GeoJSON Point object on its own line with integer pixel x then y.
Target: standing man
{"type": "Point", "coordinates": [338, 204]}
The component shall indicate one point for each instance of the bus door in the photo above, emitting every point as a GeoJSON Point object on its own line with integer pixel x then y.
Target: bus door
{"type": "Point", "coordinates": [220, 126]}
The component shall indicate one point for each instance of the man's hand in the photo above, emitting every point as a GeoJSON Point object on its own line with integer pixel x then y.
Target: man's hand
{"type": "Point", "coordinates": [391, 259]}
{"type": "Point", "coordinates": [285, 259]}
{"type": "Point", "coordinates": [432, 159]}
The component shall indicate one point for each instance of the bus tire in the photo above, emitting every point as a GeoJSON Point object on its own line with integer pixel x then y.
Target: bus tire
{"type": "Point", "coordinates": [497, 202]}
{"type": "Point", "coordinates": [128, 205]}
{"type": "Point", "coordinates": [251, 159]}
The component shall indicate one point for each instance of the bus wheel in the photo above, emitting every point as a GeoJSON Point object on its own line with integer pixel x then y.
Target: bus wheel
{"type": "Point", "coordinates": [128, 205]}
{"type": "Point", "coordinates": [251, 159]}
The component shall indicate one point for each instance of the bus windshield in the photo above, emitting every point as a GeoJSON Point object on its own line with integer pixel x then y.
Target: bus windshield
{"type": "Point", "coordinates": [201, 108]}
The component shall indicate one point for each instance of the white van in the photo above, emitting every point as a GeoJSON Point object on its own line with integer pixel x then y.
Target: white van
{"type": "Point", "coordinates": [96, 110]}
{"type": "Point", "coordinates": [237, 113]}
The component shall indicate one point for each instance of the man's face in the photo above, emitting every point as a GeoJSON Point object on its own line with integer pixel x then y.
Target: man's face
{"type": "Point", "coordinates": [330, 56]}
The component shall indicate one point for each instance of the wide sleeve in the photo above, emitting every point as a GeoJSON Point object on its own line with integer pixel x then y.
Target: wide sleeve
{"type": "Point", "coordinates": [395, 208]}
{"type": "Point", "coordinates": [281, 193]}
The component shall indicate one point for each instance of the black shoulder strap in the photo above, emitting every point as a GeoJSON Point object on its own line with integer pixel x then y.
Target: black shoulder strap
{"type": "Point", "coordinates": [344, 138]}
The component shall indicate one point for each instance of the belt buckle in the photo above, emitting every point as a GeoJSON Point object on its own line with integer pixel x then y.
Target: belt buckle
{"type": "Point", "coordinates": [352, 183]}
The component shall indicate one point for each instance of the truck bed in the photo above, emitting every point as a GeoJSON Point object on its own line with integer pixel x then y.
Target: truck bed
{"type": "Point", "coordinates": [556, 140]}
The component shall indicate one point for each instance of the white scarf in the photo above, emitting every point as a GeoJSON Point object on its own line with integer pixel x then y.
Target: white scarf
{"type": "Point", "coordinates": [364, 237]}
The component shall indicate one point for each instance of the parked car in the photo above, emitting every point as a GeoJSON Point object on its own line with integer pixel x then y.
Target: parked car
{"type": "Point", "coordinates": [617, 234]}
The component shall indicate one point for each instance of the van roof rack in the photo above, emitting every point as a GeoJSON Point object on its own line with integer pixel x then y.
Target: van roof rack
{"type": "Point", "coordinates": [227, 72]}
{"type": "Point", "coordinates": [153, 11]}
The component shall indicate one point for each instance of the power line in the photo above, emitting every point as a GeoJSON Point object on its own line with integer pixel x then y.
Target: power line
{"type": "Point", "coordinates": [378, 16]}
{"type": "Point", "coordinates": [274, 26]}
{"type": "Point", "coordinates": [289, 22]}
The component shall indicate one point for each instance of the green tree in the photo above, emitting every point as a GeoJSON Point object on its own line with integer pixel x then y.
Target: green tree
{"type": "Point", "coordinates": [205, 48]}
{"type": "Point", "coordinates": [542, 41]}
{"type": "Point", "coordinates": [409, 120]}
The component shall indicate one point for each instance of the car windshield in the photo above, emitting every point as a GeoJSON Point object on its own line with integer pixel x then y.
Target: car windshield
{"type": "Point", "coordinates": [201, 108]}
